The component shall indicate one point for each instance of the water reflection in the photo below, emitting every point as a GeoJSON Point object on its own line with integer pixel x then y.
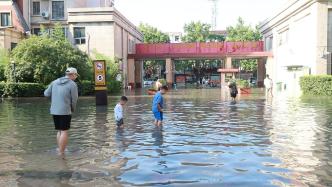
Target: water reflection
{"type": "Point", "coordinates": [205, 140]}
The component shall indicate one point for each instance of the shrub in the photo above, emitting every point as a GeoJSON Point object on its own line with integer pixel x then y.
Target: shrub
{"type": "Point", "coordinates": [114, 86]}
{"type": "Point", "coordinates": [316, 85]}
{"type": "Point", "coordinates": [42, 59]}
{"type": "Point", "coordinates": [242, 83]}
{"type": "Point", "coordinates": [85, 88]}
{"type": "Point", "coordinates": [4, 61]}
{"type": "Point", "coordinates": [2, 88]}
{"type": "Point", "coordinates": [22, 89]}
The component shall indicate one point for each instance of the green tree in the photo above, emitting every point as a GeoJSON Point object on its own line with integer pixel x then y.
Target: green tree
{"type": "Point", "coordinates": [216, 38]}
{"type": "Point", "coordinates": [41, 59]}
{"type": "Point", "coordinates": [243, 32]}
{"type": "Point", "coordinates": [4, 62]}
{"type": "Point", "coordinates": [196, 32]}
{"type": "Point", "coordinates": [152, 34]}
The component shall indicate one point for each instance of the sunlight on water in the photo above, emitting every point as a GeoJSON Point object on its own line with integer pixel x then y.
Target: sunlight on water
{"type": "Point", "coordinates": [206, 140]}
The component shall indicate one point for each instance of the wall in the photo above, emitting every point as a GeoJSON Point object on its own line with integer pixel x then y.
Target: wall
{"type": "Point", "coordinates": [329, 35]}
{"type": "Point", "coordinates": [8, 36]}
{"type": "Point", "coordinates": [98, 37]}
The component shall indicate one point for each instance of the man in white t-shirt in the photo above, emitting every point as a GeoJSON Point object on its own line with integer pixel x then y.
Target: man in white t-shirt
{"type": "Point", "coordinates": [268, 83]}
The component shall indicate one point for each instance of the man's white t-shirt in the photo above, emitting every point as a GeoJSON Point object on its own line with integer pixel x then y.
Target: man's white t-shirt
{"type": "Point", "coordinates": [118, 112]}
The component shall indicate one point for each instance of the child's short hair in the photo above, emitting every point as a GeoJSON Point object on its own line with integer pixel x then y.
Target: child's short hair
{"type": "Point", "coordinates": [164, 87]}
{"type": "Point", "coordinates": [124, 98]}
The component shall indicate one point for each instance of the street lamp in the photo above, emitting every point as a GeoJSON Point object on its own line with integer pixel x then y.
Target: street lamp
{"type": "Point", "coordinates": [13, 66]}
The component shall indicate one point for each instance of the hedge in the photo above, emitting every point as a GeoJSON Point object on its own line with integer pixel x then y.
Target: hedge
{"type": "Point", "coordinates": [85, 88]}
{"type": "Point", "coordinates": [316, 85]}
{"type": "Point", "coordinates": [22, 89]}
{"type": "Point", "coordinates": [114, 86]}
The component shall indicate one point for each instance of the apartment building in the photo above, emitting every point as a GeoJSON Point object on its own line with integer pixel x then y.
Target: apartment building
{"type": "Point", "coordinates": [12, 25]}
{"type": "Point", "coordinates": [90, 25]}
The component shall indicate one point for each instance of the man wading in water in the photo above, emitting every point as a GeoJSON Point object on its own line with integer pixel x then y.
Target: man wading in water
{"type": "Point", "coordinates": [64, 94]}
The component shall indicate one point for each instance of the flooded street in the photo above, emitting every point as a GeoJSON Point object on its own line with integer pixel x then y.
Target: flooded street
{"type": "Point", "coordinates": [206, 141]}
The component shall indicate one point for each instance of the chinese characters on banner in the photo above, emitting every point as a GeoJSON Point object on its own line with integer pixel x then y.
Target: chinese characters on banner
{"type": "Point", "coordinates": [199, 48]}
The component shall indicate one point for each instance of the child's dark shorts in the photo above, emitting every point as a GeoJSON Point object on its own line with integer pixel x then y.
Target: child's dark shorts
{"type": "Point", "coordinates": [119, 122]}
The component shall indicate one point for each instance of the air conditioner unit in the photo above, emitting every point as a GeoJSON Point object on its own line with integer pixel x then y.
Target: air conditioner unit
{"type": "Point", "coordinates": [45, 15]}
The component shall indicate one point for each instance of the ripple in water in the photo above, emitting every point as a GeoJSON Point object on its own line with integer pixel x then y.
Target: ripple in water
{"type": "Point", "coordinates": [205, 141]}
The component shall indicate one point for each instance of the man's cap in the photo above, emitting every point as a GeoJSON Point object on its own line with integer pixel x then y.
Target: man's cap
{"type": "Point", "coordinates": [71, 71]}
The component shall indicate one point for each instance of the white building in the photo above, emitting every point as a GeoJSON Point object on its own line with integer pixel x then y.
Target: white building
{"type": "Point", "coordinates": [300, 37]}
{"type": "Point", "coordinates": [175, 37]}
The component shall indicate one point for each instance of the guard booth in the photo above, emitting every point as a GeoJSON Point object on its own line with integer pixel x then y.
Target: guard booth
{"type": "Point", "coordinates": [228, 74]}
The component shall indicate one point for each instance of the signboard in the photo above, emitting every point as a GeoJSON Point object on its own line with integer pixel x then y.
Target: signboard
{"type": "Point", "coordinates": [100, 74]}
{"type": "Point", "coordinates": [203, 48]}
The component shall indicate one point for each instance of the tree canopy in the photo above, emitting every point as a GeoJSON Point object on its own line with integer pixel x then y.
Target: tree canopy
{"type": "Point", "coordinates": [153, 35]}
{"type": "Point", "coordinates": [196, 32]}
{"type": "Point", "coordinates": [44, 58]}
{"type": "Point", "coordinates": [242, 32]}
{"type": "Point", "coordinates": [4, 61]}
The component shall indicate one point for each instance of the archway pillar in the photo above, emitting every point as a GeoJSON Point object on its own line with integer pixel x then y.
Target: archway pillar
{"type": "Point", "coordinates": [138, 74]}
{"type": "Point", "coordinates": [131, 72]}
{"type": "Point", "coordinates": [261, 72]}
{"type": "Point", "coordinates": [169, 72]}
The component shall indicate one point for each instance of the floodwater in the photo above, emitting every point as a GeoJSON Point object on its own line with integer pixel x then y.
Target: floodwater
{"type": "Point", "coordinates": [206, 141]}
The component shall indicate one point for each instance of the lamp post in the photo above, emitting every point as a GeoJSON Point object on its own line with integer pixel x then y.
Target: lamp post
{"type": "Point", "coordinates": [13, 66]}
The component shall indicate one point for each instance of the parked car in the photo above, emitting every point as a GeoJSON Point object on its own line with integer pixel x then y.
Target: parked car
{"type": "Point", "coordinates": [148, 83]}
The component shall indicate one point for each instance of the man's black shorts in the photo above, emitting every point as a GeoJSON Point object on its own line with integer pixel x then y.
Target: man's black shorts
{"type": "Point", "coordinates": [62, 122]}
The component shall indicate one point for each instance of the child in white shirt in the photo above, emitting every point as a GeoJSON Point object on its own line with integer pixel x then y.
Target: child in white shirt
{"type": "Point", "coordinates": [118, 111]}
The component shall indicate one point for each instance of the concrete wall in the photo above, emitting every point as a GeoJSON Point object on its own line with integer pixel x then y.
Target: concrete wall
{"type": "Point", "coordinates": [9, 36]}
{"type": "Point", "coordinates": [98, 37]}
{"type": "Point", "coordinates": [329, 35]}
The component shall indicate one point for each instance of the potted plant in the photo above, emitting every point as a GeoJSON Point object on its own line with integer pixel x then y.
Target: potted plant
{"type": "Point", "coordinates": [154, 89]}
{"type": "Point", "coordinates": [243, 86]}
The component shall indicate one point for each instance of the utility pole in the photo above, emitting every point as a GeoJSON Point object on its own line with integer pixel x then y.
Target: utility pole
{"type": "Point", "coordinates": [214, 13]}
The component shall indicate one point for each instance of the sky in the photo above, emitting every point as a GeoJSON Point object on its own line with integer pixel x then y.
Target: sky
{"type": "Point", "coordinates": [171, 15]}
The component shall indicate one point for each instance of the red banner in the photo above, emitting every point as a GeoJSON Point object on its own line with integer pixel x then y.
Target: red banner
{"type": "Point", "coordinates": [221, 48]}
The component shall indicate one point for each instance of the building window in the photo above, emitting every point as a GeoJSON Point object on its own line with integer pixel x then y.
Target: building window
{"type": "Point", "coordinates": [283, 37]}
{"type": "Point", "coordinates": [5, 19]}
{"type": "Point", "coordinates": [177, 38]}
{"type": "Point", "coordinates": [12, 45]}
{"type": "Point", "coordinates": [79, 35]}
{"type": "Point", "coordinates": [58, 10]}
{"type": "Point", "coordinates": [269, 43]}
{"type": "Point", "coordinates": [36, 31]}
{"type": "Point", "coordinates": [36, 8]}
{"type": "Point", "coordinates": [131, 46]}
